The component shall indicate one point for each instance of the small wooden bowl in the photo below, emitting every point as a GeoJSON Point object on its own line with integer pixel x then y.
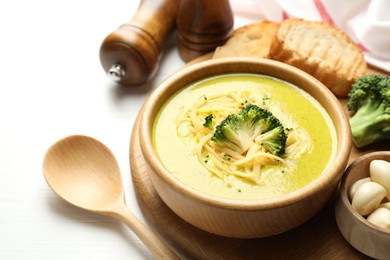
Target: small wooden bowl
{"type": "Point", "coordinates": [244, 218]}
{"type": "Point", "coordinates": [367, 238]}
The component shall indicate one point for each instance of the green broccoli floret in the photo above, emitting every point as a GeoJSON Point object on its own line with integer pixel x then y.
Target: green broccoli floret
{"type": "Point", "coordinates": [369, 98]}
{"type": "Point", "coordinates": [273, 141]}
{"type": "Point", "coordinates": [208, 122]}
{"type": "Point", "coordinates": [230, 133]}
{"type": "Point", "coordinates": [257, 120]}
{"type": "Point", "coordinates": [238, 131]}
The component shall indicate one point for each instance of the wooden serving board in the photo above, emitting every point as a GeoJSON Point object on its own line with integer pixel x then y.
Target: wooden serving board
{"type": "Point", "coordinates": [319, 238]}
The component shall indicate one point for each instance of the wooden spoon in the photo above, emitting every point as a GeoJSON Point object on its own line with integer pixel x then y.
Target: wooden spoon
{"type": "Point", "coordinates": [84, 172]}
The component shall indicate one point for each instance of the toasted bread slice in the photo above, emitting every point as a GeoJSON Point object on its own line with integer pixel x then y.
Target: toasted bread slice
{"type": "Point", "coordinates": [252, 40]}
{"type": "Point", "coordinates": [321, 50]}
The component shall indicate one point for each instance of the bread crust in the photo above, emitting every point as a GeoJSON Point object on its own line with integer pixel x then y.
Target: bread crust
{"type": "Point", "coordinates": [321, 50]}
{"type": "Point", "coordinates": [252, 40]}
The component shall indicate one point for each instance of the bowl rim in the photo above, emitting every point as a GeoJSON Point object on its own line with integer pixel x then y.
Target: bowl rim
{"type": "Point", "coordinates": [344, 192]}
{"type": "Point", "coordinates": [333, 172]}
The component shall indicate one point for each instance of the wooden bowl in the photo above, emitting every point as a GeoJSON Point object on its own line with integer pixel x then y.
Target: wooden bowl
{"type": "Point", "coordinates": [367, 238]}
{"type": "Point", "coordinates": [244, 218]}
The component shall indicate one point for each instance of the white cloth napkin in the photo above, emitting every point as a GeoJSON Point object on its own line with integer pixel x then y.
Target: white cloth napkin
{"type": "Point", "coordinates": [367, 22]}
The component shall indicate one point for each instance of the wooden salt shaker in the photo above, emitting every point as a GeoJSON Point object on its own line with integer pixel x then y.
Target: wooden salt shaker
{"type": "Point", "coordinates": [130, 54]}
{"type": "Point", "coordinates": [203, 25]}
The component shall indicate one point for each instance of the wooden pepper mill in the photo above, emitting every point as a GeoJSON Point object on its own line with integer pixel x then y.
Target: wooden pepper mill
{"type": "Point", "coordinates": [202, 25]}
{"type": "Point", "coordinates": [130, 54]}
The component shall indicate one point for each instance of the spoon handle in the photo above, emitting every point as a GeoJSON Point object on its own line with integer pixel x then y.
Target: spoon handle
{"type": "Point", "coordinates": [158, 248]}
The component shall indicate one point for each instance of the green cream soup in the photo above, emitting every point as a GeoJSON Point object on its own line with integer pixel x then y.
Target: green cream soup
{"type": "Point", "coordinates": [291, 105]}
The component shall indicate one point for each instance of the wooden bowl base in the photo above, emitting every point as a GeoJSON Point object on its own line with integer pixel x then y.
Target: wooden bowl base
{"type": "Point", "coordinates": [319, 238]}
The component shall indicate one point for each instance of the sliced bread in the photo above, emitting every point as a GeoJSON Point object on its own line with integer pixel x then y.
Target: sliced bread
{"type": "Point", "coordinates": [252, 40]}
{"type": "Point", "coordinates": [321, 50]}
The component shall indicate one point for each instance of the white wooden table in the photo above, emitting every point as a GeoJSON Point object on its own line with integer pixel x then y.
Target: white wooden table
{"type": "Point", "coordinates": [51, 86]}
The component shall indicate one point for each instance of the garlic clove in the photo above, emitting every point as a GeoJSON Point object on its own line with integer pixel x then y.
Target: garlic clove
{"type": "Point", "coordinates": [380, 217]}
{"type": "Point", "coordinates": [385, 205]}
{"type": "Point", "coordinates": [367, 197]}
{"type": "Point", "coordinates": [356, 185]}
{"type": "Point", "coordinates": [380, 173]}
